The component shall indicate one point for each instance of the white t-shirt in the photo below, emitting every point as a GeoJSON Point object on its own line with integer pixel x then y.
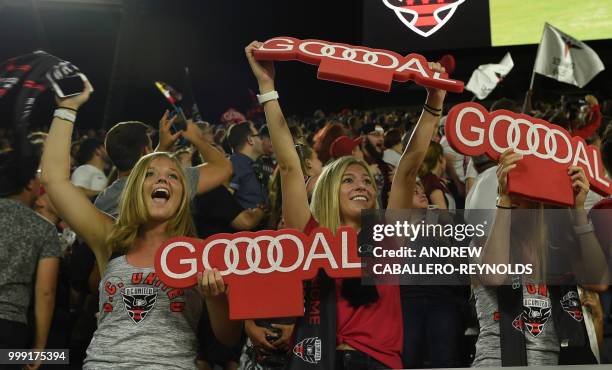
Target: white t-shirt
{"type": "Point", "coordinates": [391, 157]}
{"type": "Point", "coordinates": [460, 162]}
{"type": "Point", "coordinates": [482, 196]}
{"type": "Point", "coordinates": [89, 177]}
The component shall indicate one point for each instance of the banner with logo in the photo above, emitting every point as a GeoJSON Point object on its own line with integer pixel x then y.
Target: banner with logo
{"type": "Point", "coordinates": [487, 76]}
{"type": "Point", "coordinates": [264, 270]}
{"type": "Point", "coordinates": [548, 150]}
{"type": "Point", "coordinates": [357, 65]}
{"type": "Point", "coordinates": [566, 59]}
{"type": "Point", "coordinates": [315, 333]}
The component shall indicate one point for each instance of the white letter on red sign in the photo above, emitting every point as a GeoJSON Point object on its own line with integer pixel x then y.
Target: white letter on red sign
{"type": "Point", "coordinates": [327, 253]}
{"type": "Point", "coordinates": [184, 261]}
{"type": "Point", "coordinates": [280, 47]}
{"type": "Point", "coordinates": [581, 156]}
{"type": "Point", "coordinates": [419, 68]}
{"type": "Point", "coordinates": [477, 130]}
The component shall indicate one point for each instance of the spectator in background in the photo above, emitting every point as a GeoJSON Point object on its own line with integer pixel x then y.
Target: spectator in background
{"type": "Point", "coordinates": [393, 147]}
{"type": "Point", "coordinates": [372, 147]}
{"type": "Point", "coordinates": [265, 164]}
{"type": "Point", "coordinates": [127, 142]}
{"type": "Point", "coordinates": [91, 158]}
{"type": "Point", "coordinates": [589, 118]}
{"type": "Point", "coordinates": [184, 156]}
{"type": "Point", "coordinates": [59, 333]}
{"type": "Point", "coordinates": [324, 138]}
{"type": "Point", "coordinates": [29, 255]}
{"type": "Point", "coordinates": [431, 174]}
{"type": "Point", "coordinates": [247, 146]}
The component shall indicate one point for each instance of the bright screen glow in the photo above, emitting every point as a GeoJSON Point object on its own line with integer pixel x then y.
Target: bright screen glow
{"type": "Point", "coordinates": [517, 22]}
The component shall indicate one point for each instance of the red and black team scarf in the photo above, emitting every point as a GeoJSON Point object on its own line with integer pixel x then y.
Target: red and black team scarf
{"type": "Point", "coordinates": [566, 313]}
{"type": "Point", "coordinates": [315, 335]}
{"type": "Point", "coordinates": [28, 73]}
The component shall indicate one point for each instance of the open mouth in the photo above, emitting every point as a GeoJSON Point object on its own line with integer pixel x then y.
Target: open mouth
{"type": "Point", "coordinates": [360, 198]}
{"type": "Point", "coordinates": [160, 195]}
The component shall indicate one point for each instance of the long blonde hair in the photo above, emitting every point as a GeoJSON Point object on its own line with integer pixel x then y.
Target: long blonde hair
{"type": "Point", "coordinates": [133, 213]}
{"type": "Point", "coordinates": [325, 203]}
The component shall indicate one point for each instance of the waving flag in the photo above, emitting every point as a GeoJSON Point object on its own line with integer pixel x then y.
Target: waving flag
{"type": "Point", "coordinates": [487, 76]}
{"type": "Point", "coordinates": [562, 57]}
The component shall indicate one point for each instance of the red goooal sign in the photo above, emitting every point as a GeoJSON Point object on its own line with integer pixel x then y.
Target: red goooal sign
{"type": "Point", "coordinates": [357, 65]}
{"type": "Point", "coordinates": [263, 270]}
{"type": "Point", "coordinates": [548, 150]}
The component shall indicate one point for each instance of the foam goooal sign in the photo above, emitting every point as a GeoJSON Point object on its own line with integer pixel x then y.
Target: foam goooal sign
{"type": "Point", "coordinates": [357, 65]}
{"type": "Point", "coordinates": [263, 270]}
{"type": "Point", "coordinates": [548, 150]}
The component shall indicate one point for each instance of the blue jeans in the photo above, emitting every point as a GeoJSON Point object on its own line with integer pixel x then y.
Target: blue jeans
{"type": "Point", "coordinates": [433, 330]}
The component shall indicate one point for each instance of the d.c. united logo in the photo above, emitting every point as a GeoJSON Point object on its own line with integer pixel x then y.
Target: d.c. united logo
{"type": "Point", "coordinates": [424, 17]}
{"type": "Point", "coordinates": [139, 302]}
{"type": "Point", "coordinates": [309, 350]}
{"type": "Point", "coordinates": [571, 304]}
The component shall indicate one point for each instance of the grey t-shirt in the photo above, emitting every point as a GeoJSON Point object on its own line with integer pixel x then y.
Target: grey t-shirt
{"type": "Point", "coordinates": [143, 323]}
{"type": "Point", "coordinates": [535, 321]}
{"type": "Point", "coordinates": [108, 200]}
{"type": "Point", "coordinates": [26, 239]}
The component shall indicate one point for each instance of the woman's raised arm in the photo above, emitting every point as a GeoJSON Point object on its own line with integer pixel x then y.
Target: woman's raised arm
{"type": "Point", "coordinates": [72, 205]}
{"type": "Point", "coordinates": [402, 188]}
{"type": "Point", "coordinates": [296, 211]}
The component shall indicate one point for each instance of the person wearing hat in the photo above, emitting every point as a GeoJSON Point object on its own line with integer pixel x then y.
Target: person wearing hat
{"type": "Point", "coordinates": [344, 146]}
{"type": "Point", "coordinates": [373, 146]}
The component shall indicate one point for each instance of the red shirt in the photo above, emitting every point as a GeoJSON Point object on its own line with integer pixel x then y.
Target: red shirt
{"type": "Point", "coordinates": [375, 329]}
{"type": "Point", "coordinates": [591, 126]}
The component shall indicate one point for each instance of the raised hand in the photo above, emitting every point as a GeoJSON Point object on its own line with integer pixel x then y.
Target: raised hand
{"type": "Point", "coordinates": [166, 137]}
{"type": "Point", "coordinates": [435, 97]}
{"type": "Point", "coordinates": [580, 184]}
{"type": "Point", "coordinates": [211, 283]}
{"type": "Point", "coordinates": [507, 162]}
{"type": "Point", "coordinates": [75, 102]}
{"type": "Point", "coordinates": [192, 132]}
{"type": "Point", "coordinates": [262, 70]}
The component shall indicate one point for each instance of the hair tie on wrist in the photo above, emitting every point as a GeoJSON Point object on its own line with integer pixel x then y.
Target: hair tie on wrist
{"type": "Point", "coordinates": [435, 114]}
{"type": "Point", "coordinates": [432, 108]}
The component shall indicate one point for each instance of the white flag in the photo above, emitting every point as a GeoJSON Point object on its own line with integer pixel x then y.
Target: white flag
{"type": "Point", "coordinates": [562, 57]}
{"type": "Point", "coordinates": [486, 77]}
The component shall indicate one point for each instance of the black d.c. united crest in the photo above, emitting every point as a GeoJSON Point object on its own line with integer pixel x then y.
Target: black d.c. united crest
{"type": "Point", "coordinates": [424, 17]}
{"type": "Point", "coordinates": [139, 302]}
{"type": "Point", "coordinates": [535, 314]}
{"type": "Point", "coordinates": [309, 350]}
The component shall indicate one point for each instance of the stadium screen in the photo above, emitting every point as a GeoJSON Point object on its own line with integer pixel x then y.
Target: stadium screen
{"type": "Point", "coordinates": [405, 25]}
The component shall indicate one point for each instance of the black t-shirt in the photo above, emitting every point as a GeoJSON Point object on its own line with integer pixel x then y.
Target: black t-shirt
{"type": "Point", "coordinates": [214, 211]}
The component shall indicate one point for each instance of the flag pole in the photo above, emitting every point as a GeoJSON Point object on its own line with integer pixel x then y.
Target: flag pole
{"type": "Point", "coordinates": [529, 93]}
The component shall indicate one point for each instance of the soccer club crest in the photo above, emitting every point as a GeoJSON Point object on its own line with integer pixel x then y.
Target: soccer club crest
{"type": "Point", "coordinates": [535, 314]}
{"type": "Point", "coordinates": [571, 305]}
{"type": "Point", "coordinates": [424, 17]}
{"type": "Point", "coordinates": [309, 350]}
{"type": "Point", "coordinates": [139, 302]}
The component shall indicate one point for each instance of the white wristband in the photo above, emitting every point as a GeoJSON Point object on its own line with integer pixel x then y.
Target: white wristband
{"type": "Point", "coordinates": [584, 229]}
{"type": "Point", "coordinates": [264, 98]}
{"type": "Point", "coordinates": [65, 114]}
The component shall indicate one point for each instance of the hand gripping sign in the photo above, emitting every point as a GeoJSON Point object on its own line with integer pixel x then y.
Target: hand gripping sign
{"type": "Point", "coordinates": [263, 270]}
{"type": "Point", "coordinates": [548, 150]}
{"type": "Point", "coordinates": [357, 65]}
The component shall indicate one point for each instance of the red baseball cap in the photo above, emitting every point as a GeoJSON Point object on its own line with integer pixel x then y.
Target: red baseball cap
{"type": "Point", "coordinates": [344, 145]}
